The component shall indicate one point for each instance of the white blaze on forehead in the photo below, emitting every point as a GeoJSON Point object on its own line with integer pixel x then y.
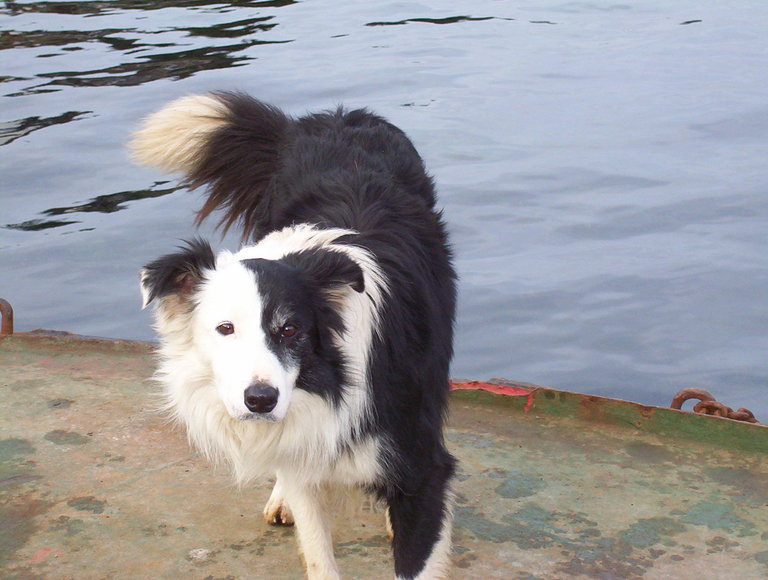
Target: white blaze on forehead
{"type": "Point", "coordinates": [231, 294]}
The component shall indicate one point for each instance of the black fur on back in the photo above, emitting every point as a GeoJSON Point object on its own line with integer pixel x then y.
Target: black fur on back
{"type": "Point", "coordinates": [265, 171]}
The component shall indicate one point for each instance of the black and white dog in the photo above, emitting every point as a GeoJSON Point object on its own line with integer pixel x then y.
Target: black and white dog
{"type": "Point", "coordinates": [319, 353]}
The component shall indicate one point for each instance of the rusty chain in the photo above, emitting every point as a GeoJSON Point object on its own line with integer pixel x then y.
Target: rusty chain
{"type": "Point", "coordinates": [707, 405]}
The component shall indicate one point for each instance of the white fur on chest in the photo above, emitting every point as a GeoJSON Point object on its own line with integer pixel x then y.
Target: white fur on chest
{"type": "Point", "coordinates": [313, 442]}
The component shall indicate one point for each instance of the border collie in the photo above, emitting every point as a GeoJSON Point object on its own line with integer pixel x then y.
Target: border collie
{"type": "Point", "coordinates": [319, 352]}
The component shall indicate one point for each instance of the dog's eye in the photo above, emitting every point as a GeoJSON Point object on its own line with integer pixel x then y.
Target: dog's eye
{"type": "Point", "coordinates": [288, 330]}
{"type": "Point", "coordinates": [225, 328]}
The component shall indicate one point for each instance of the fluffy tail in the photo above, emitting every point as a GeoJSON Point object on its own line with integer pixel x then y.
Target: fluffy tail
{"type": "Point", "coordinates": [228, 141]}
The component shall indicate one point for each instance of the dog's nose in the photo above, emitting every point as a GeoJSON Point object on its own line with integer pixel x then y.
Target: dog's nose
{"type": "Point", "coordinates": [260, 397]}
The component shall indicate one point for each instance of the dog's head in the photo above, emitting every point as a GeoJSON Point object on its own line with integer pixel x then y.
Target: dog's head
{"type": "Point", "coordinates": [261, 327]}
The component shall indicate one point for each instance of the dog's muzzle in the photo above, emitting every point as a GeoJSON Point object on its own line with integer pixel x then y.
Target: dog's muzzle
{"type": "Point", "coordinates": [260, 397]}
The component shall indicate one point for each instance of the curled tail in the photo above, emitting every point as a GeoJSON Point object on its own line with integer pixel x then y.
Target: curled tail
{"type": "Point", "coordinates": [227, 141]}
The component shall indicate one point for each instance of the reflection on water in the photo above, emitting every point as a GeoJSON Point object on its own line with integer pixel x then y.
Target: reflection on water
{"type": "Point", "coordinates": [12, 130]}
{"type": "Point", "coordinates": [173, 65]}
{"type": "Point", "coordinates": [106, 7]}
{"type": "Point", "coordinates": [108, 203]}
{"type": "Point", "coordinates": [447, 20]}
{"type": "Point", "coordinates": [145, 58]}
{"type": "Point", "coordinates": [143, 42]}
{"type": "Point", "coordinates": [132, 50]}
{"type": "Point", "coordinates": [38, 225]}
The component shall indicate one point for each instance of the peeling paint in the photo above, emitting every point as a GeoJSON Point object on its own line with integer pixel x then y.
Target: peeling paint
{"type": "Point", "coordinates": [61, 437]}
{"type": "Point", "coordinates": [517, 484]}
{"type": "Point", "coordinates": [87, 504]}
{"type": "Point", "coordinates": [60, 403]}
{"type": "Point", "coordinates": [12, 448]}
{"type": "Point", "coordinates": [719, 516]}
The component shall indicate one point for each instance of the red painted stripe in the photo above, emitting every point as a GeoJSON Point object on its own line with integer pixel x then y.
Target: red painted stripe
{"type": "Point", "coordinates": [508, 390]}
{"type": "Point", "coordinates": [498, 389]}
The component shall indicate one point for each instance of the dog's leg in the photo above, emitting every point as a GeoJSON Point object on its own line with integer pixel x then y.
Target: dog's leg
{"type": "Point", "coordinates": [276, 510]}
{"type": "Point", "coordinates": [422, 523]}
{"type": "Point", "coordinates": [312, 531]}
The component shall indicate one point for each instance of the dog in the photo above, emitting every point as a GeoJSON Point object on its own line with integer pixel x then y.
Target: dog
{"type": "Point", "coordinates": [319, 352]}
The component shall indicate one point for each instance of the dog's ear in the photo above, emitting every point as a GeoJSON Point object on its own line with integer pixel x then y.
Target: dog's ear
{"type": "Point", "coordinates": [331, 270]}
{"type": "Point", "coordinates": [177, 274]}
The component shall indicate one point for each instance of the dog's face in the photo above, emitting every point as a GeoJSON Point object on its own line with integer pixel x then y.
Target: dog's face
{"type": "Point", "coordinates": [262, 327]}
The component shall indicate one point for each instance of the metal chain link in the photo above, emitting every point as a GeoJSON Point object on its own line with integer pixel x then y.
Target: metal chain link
{"type": "Point", "coordinates": [707, 405]}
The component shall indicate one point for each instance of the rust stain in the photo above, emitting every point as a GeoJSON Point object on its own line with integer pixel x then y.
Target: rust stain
{"type": "Point", "coordinates": [18, 522]}
{"type": "Point", "coordinates": [43, 553]}
{"type": "Point", "coordinates": [6, 310]}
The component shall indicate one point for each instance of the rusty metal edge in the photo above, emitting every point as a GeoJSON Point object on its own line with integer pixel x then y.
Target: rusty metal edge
{"type": "Point", "coordinates": [42, 337]}
{"type": "Point", "coordinates": [595, 410]}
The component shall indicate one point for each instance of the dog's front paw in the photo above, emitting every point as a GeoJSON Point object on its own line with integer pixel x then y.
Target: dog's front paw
{"type": "Point", "coordinates": [277, 512]}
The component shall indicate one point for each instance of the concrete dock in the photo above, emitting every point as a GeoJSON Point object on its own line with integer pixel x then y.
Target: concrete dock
{"type": "Point", "coordinates": [95, 485]}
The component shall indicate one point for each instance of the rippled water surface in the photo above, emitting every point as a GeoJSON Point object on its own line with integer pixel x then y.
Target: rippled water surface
{"type": "Point", "coordinates": [602, 166]}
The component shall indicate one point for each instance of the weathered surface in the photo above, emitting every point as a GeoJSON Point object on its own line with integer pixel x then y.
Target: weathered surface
{"type": "Point", "coordinates": [94, 484]}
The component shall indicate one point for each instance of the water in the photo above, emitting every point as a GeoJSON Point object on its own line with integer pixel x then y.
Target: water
{"type": "Point", "coordinates": [602, 167]}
